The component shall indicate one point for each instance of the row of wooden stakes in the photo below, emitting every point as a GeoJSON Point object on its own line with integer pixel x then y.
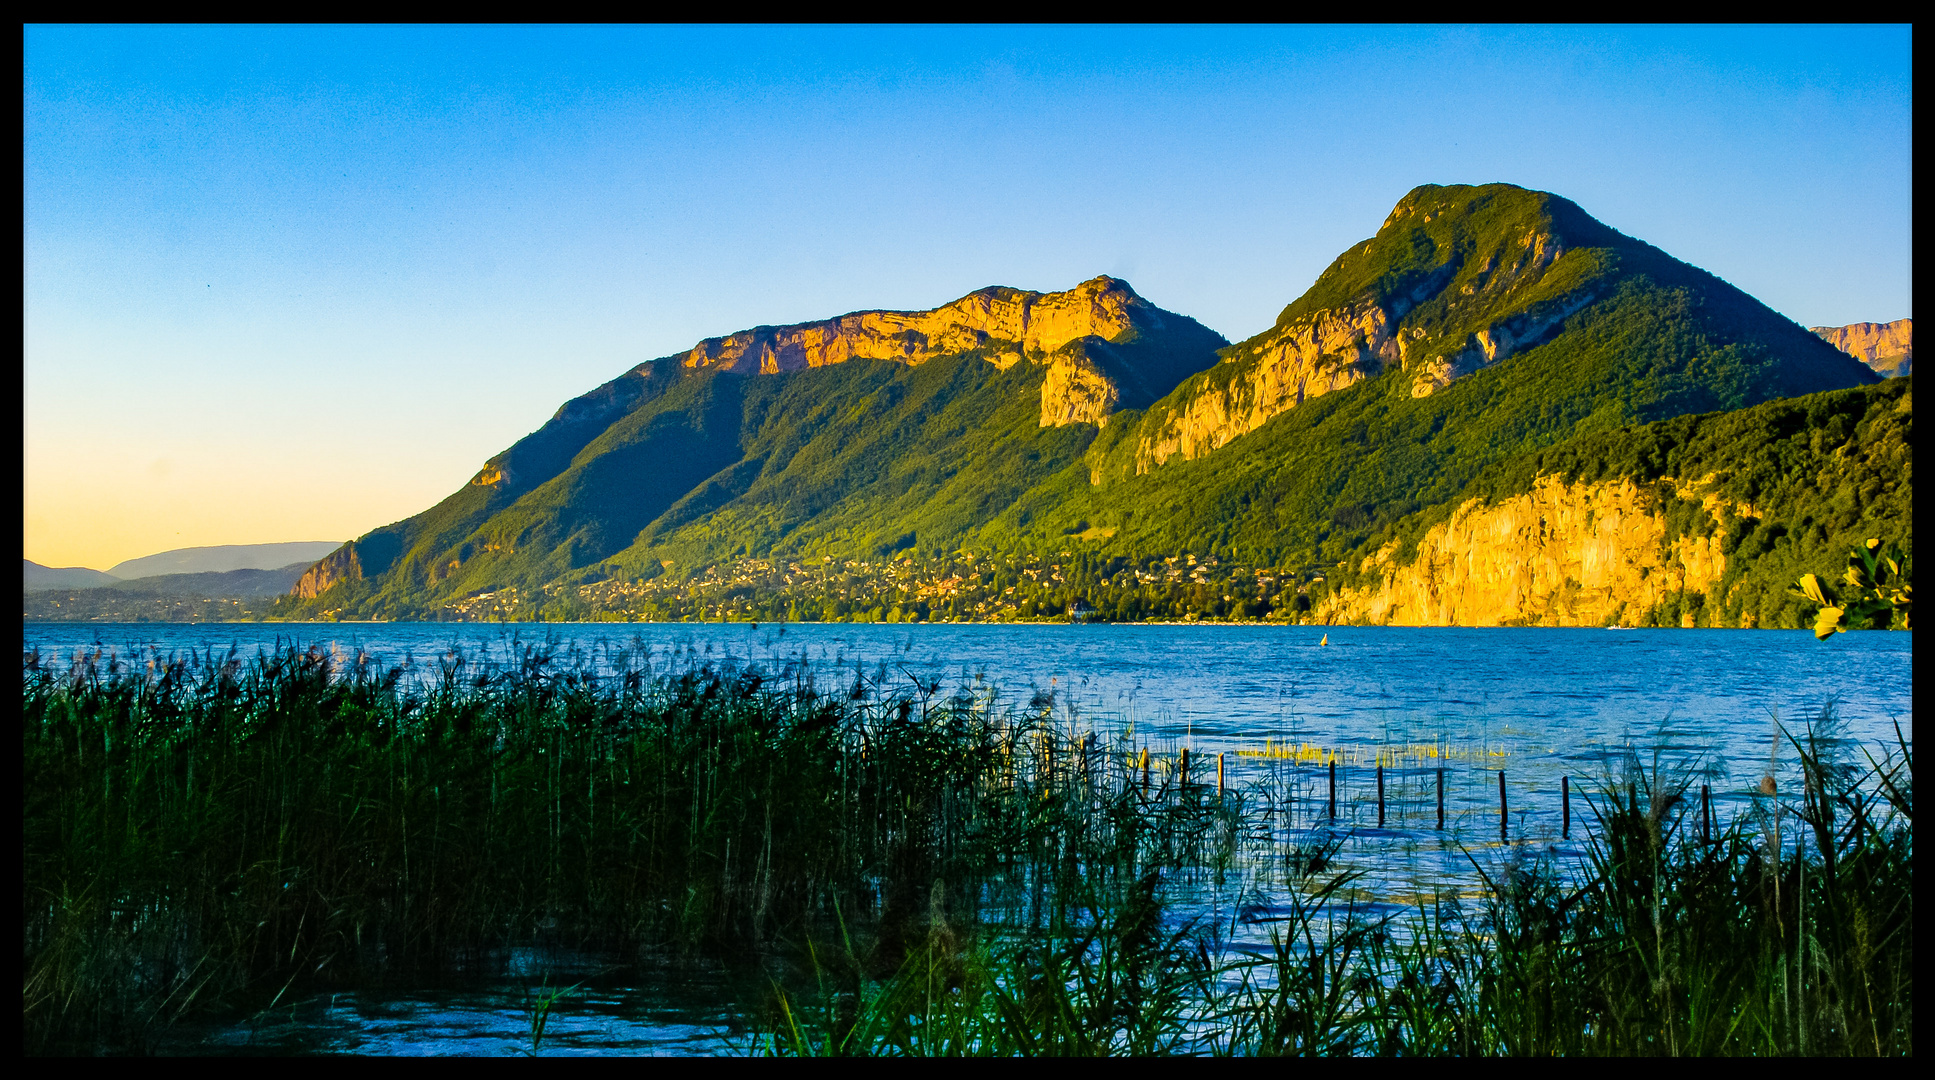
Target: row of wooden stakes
{"type": "Point", "coordinates": [1504, 802]}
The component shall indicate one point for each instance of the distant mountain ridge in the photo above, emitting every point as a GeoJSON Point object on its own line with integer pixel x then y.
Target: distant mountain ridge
{"type": "Point", "coordinates": [226, 583]}
{"type": "Point", "coordinates": [222, 558]}
{"type": "Point", "coordinates": [1479, 323]}
{"type": "Point", "coordinates": [64, 577]}
{"type": "Point", "coordinates": [1888, 348]}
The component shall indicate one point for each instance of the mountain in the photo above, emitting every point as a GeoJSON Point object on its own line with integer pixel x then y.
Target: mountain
{"type": "Point", "coordinates": [1478, 325]}
{"type": "Point", "coordinates": [876, 432]}
{"type": "Point", "coordinates": [223, 558]}
{"type": "Point", "coordinates": [1885, 347]}
{"type": "Point", "coordinates": [67, 577]}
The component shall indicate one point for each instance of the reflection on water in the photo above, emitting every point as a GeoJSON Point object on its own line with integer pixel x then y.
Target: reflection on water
{"type": "Point", "coordinates": [600, 1008]}
{"type": "Point", "coordinates": [1267, 709]}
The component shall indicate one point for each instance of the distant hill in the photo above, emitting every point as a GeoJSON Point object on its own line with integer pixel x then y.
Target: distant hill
{"type": "Point", "coordinates": [223, 558]}
{"type": "Point", "coordinates": [225, 583]}
{"type": "Point", "coordinates": [65, 577]}
{"type": "Point", "coordinates": [1888, 348]}
{"type": "Point", "coordinates": [230, 595]}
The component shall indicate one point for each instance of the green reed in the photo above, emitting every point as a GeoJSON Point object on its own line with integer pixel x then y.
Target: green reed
{"type": "Point", "coordinates": [208, 832]}
{"type": "Point", "coordinates": [1670, 943]}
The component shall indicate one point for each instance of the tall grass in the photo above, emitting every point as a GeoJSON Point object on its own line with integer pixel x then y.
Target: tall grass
{"type": "Point", "coordinates": [1669, 944]}
{"type": "Point", "coordinates": [923, 873]}
{"type": "Point", "coordinates": [206, 831]}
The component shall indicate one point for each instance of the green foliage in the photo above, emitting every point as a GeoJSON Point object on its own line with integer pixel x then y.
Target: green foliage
{"type": "Point", "coordinates": [1875, 591]}
{"type": "Point", "coordinates": [1675, 942]}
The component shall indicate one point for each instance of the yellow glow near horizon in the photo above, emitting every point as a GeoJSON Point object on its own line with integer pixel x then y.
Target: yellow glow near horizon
{"type": "Point", "coordinates": [98, 506]}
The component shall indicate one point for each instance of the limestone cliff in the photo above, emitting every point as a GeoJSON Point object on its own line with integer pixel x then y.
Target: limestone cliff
{"type": "Point", "coordinates": [1596, 554]}
{"type": "Point", "coordinates": [1007, 324]}
{"type": "Point", "coordinates": [339, 566]}
{"type": "Point", "coordinates": [1888, 348]}
{"type": "Point", "coordinates": [1076, 390]}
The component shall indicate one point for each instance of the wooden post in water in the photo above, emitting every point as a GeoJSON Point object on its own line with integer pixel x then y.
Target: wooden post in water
{"type": "Point", "coordinates": [1182, 771]}
{"type": "Point", "coordinates": [1706, 814]}
{"type": "Point", "coordinates": [1502, 810]}
{"type": "Point", "coordinates": [1380, 796]}
{"type": "Point", "coordinates": [1441, 796]}
{"type": "Point", "coordinates": [1565, 801]}
{"type": "Point", "coordinates": [1333, 789]}
{"type": "Point", "coordinates": [1219, 776]}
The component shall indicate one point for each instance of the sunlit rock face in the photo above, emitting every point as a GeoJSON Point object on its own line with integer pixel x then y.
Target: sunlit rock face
{"type": "Point", "coordinates": [1027, 323]}
{"type": "Point", "coordinates": [1075, 390]}
{"type": "Point", "coordinates": [1069, 333]}
{"type": "Point", "coordinates": [1294, 363]}
{"type": "Point", "coordinates": [1560, 555]}
{"type": "Point", "coordinates": [339, 566]}
{"type": "Point", "coordinates": [1888, 348]}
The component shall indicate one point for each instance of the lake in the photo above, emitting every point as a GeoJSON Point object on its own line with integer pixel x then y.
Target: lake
{"type": "Point", "coordinates": [1274, 706]}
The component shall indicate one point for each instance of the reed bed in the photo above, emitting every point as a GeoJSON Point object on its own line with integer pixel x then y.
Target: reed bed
{"type": "Point", "coordinates": [1676, 940]}
{"type": "Point", "coordinates": [211, 833]}
{"type": "Point", "coordinates": [911, 872]}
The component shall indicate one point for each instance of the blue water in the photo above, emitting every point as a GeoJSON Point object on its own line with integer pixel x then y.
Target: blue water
{"type": "Point", "coordinates": [1538, 705]}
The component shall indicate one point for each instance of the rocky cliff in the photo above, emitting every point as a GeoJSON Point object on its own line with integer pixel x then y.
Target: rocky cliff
{"type": "Point", "coordinates": [341, 565]}
{"type": "Point", "coordinates": [1006, 325]}
{"type": "Point", "coordinates": [1605, 530]}
{"type": "Point", "coordinates": [1888, 348]}
{"type": "Point", "coordinates": [1010, 322]}
{"type": "Point", "coordinates": [1583, 554]}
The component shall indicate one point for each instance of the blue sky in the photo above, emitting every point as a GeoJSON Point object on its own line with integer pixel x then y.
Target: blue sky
{"type": "Point", "coordinates": [290, 284]}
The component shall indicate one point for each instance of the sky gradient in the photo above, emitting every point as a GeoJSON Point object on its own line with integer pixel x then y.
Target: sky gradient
{"type": "Point", "coordinates": [293, 284]}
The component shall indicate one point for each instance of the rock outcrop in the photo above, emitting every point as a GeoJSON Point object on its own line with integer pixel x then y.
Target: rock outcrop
{"type": "Point", "coordinates": [1011, 322]}
{"type": "Point", "coordinates": [1061, 330]}
{"type": "Point", "coordinates": [1560, 555]}
{"type": "Point", "coordinates": [1493, 344]}
{"type": "Point", "coordinates": [339, 566]}
{"type": "Point", "coordinates": [1076, 390]}
{"type": "Point", "coordinates": [1888, 348]}
{"type": "Point", "coordinates": [1306, 359]}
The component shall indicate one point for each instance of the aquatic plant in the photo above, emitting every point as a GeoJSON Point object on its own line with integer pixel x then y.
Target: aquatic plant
{"type": "Point", "coordinates": [206, 830]}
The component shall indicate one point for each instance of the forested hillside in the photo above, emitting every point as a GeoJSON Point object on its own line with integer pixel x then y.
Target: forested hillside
{"type": "Point", "coordinates": [1479, 325]}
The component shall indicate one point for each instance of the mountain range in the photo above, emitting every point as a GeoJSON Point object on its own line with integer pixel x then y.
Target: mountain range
{"type": "Point", "coordinates": [1081, 438]}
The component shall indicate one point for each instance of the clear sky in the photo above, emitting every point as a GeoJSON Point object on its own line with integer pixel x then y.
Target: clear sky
{"type": "Point", "coordinates": [292, 284]}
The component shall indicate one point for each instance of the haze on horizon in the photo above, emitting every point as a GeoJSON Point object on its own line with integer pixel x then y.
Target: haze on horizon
{"type": "Point", "coordinates": [293, 282]}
